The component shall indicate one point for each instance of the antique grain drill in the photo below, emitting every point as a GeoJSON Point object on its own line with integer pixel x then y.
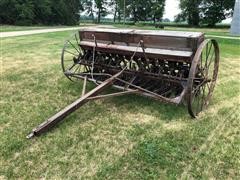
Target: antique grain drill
{"type": "Point", "coordinates": [172, 67]}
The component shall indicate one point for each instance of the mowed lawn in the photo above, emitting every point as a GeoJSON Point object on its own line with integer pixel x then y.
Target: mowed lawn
{"type": "Point", "coordinates": [8, 28]}
{"type": "Point", "coordinates": [128, 137]}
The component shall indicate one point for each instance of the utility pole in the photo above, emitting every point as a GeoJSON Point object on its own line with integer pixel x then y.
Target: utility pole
{"type": "Point", "coordinates": [124, 4]}
{"type": "Point", "coordinates": [235, 25]}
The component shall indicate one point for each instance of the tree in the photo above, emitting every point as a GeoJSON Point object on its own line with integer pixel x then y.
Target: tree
{"type": "Point", "coordinates": [27, 12]}
{"type": "Point", "coordinates": [101, 9]}
{"type": "Point", "coordinates": [190, 12]}
{"type": "Point", "coordinates": [209, 12]}
{"type": "Point", "coordinates": [73, 7]}
{"type": "Point", "coordinates": [157, 9]}
{"type": "Point", "coordinates": [215, 11]}
{"type": "Point", "coordinates": [88, 8]}
{"type": "Point", "coordinates": [42, 11]}
{"type": "Point", "coordinates": [166, 20]}
{"type": "Point", "coordinates": [16, 12]}
{"type": "Point", "coordinates": [132, 10]}
{"type": "Point", "coordinates": [142, 10]}
{"type": "Point", "coordinates": [8, 10]}
{"type": "Point", "coordinates": [118, 8]}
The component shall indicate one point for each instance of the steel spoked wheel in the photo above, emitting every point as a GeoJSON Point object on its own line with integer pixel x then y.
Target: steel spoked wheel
{"type": "Point", "coordinates": [71, 58]}
{"type": "Point", "coordinates": [202, 77]}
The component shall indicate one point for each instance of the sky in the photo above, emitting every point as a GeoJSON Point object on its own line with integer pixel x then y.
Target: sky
{"type": "Point", "coordinates": [171, 9]}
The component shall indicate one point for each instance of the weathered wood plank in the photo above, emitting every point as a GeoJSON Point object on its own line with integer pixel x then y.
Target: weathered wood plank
{"type": "Point", "coordinates": [151, 39]}
{"type": "Point", "coordinates": [146, 32]}
{"type": "Point", "coordinates": [129, 50]}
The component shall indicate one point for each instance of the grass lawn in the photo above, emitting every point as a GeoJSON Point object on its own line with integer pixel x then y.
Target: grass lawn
{"type": "Point", "coordinates": [8, 28]}
{"type": "Point", "coordinates": [128, 137]}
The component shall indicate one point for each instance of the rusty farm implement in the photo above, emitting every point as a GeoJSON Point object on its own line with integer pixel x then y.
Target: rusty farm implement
{"type": "Point", "coordinates": [172, 67]}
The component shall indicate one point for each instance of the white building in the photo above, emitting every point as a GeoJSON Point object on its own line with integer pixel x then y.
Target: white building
{"type": "Point", "coordinates": [235, 26]}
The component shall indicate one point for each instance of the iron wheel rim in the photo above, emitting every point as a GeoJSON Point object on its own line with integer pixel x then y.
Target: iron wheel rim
{"type": "Point", "coordinates": [202, 77]}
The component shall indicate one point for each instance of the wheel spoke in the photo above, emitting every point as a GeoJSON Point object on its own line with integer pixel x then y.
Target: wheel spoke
{"type": "Point", "coordinates": [198, 86]}
{"type": "Point", "coordinates": [71, 67]}
{"type": "Point", "coordinates": [81, 68]}
{"type": "Point", "coordinates": [86, 69]}
{"type": "Point", "coordinates": [198, 102]}
{"type": "Point", "coordinates": [71, 53]}
{"type": "Point", "coordinates": [76, 39]}
{"type": "Point", "coordinates": [210, 60]}
{"type": "Point", "coordinates": [208, 87]}
{"type": "Point", "coordinates": [68, 60]}
{"type": "Point", "coordinates": [209, 51]}
{"type": "Point", "coordinates": [76, 69]}
{"type": "Point", "coordinates": [203, 96]}
{"type": "Point", "coordinates": [207, 56]}
{"type": "Point", "coordinates": [201, 70]}
{"type": "Point", "coordinates": [74, 46]}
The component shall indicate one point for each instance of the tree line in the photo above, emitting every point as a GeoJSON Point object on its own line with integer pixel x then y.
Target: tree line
{"type": "Point", "coordinates": [205, 12]}
{"type": "Point", "coordinates": [46, 12]}
{"type": "Point", "coordinates": [135, 10]}
{"type": "Point", "coordinates": [67, 12]}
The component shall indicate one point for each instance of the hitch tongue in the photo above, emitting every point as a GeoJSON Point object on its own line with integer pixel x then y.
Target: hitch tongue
{"type": "Point", "coordinates": [52, 121]}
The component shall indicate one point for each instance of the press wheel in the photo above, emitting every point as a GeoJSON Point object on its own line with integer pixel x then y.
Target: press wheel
{"type": "Point", "coordinates": [202, 77]}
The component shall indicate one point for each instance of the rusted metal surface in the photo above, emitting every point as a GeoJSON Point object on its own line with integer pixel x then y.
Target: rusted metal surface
{"type": "Point", "coordinates": [202, 77]}
{"type": "Point", "coordinates": [173, 67]}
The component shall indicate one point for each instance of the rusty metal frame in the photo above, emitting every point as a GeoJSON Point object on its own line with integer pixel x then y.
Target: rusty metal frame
{"type": "Point", "coordinates": [91, 95]}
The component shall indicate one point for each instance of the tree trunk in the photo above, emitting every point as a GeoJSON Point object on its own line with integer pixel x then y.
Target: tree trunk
{"type": "Point", "coordinates": [119, 15]}
{"type": "Point", "coordinates": [194, 19]}
{"type": "Point", "coordinates": [154, 20]}
{"type": "Point", "coordinates": [99, 16]}
{"type": "Point", "coordinates": [92, 16]}
{"type": "Point", "coordinates": [134, 16]}
{"type": "Point", "coordinates": [115, 14]}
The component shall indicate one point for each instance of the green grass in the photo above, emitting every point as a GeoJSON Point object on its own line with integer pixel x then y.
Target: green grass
{"type": "Point", "coordinates": [8, 28]}
{"type": "Point", "coordinates": [128, 137]}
